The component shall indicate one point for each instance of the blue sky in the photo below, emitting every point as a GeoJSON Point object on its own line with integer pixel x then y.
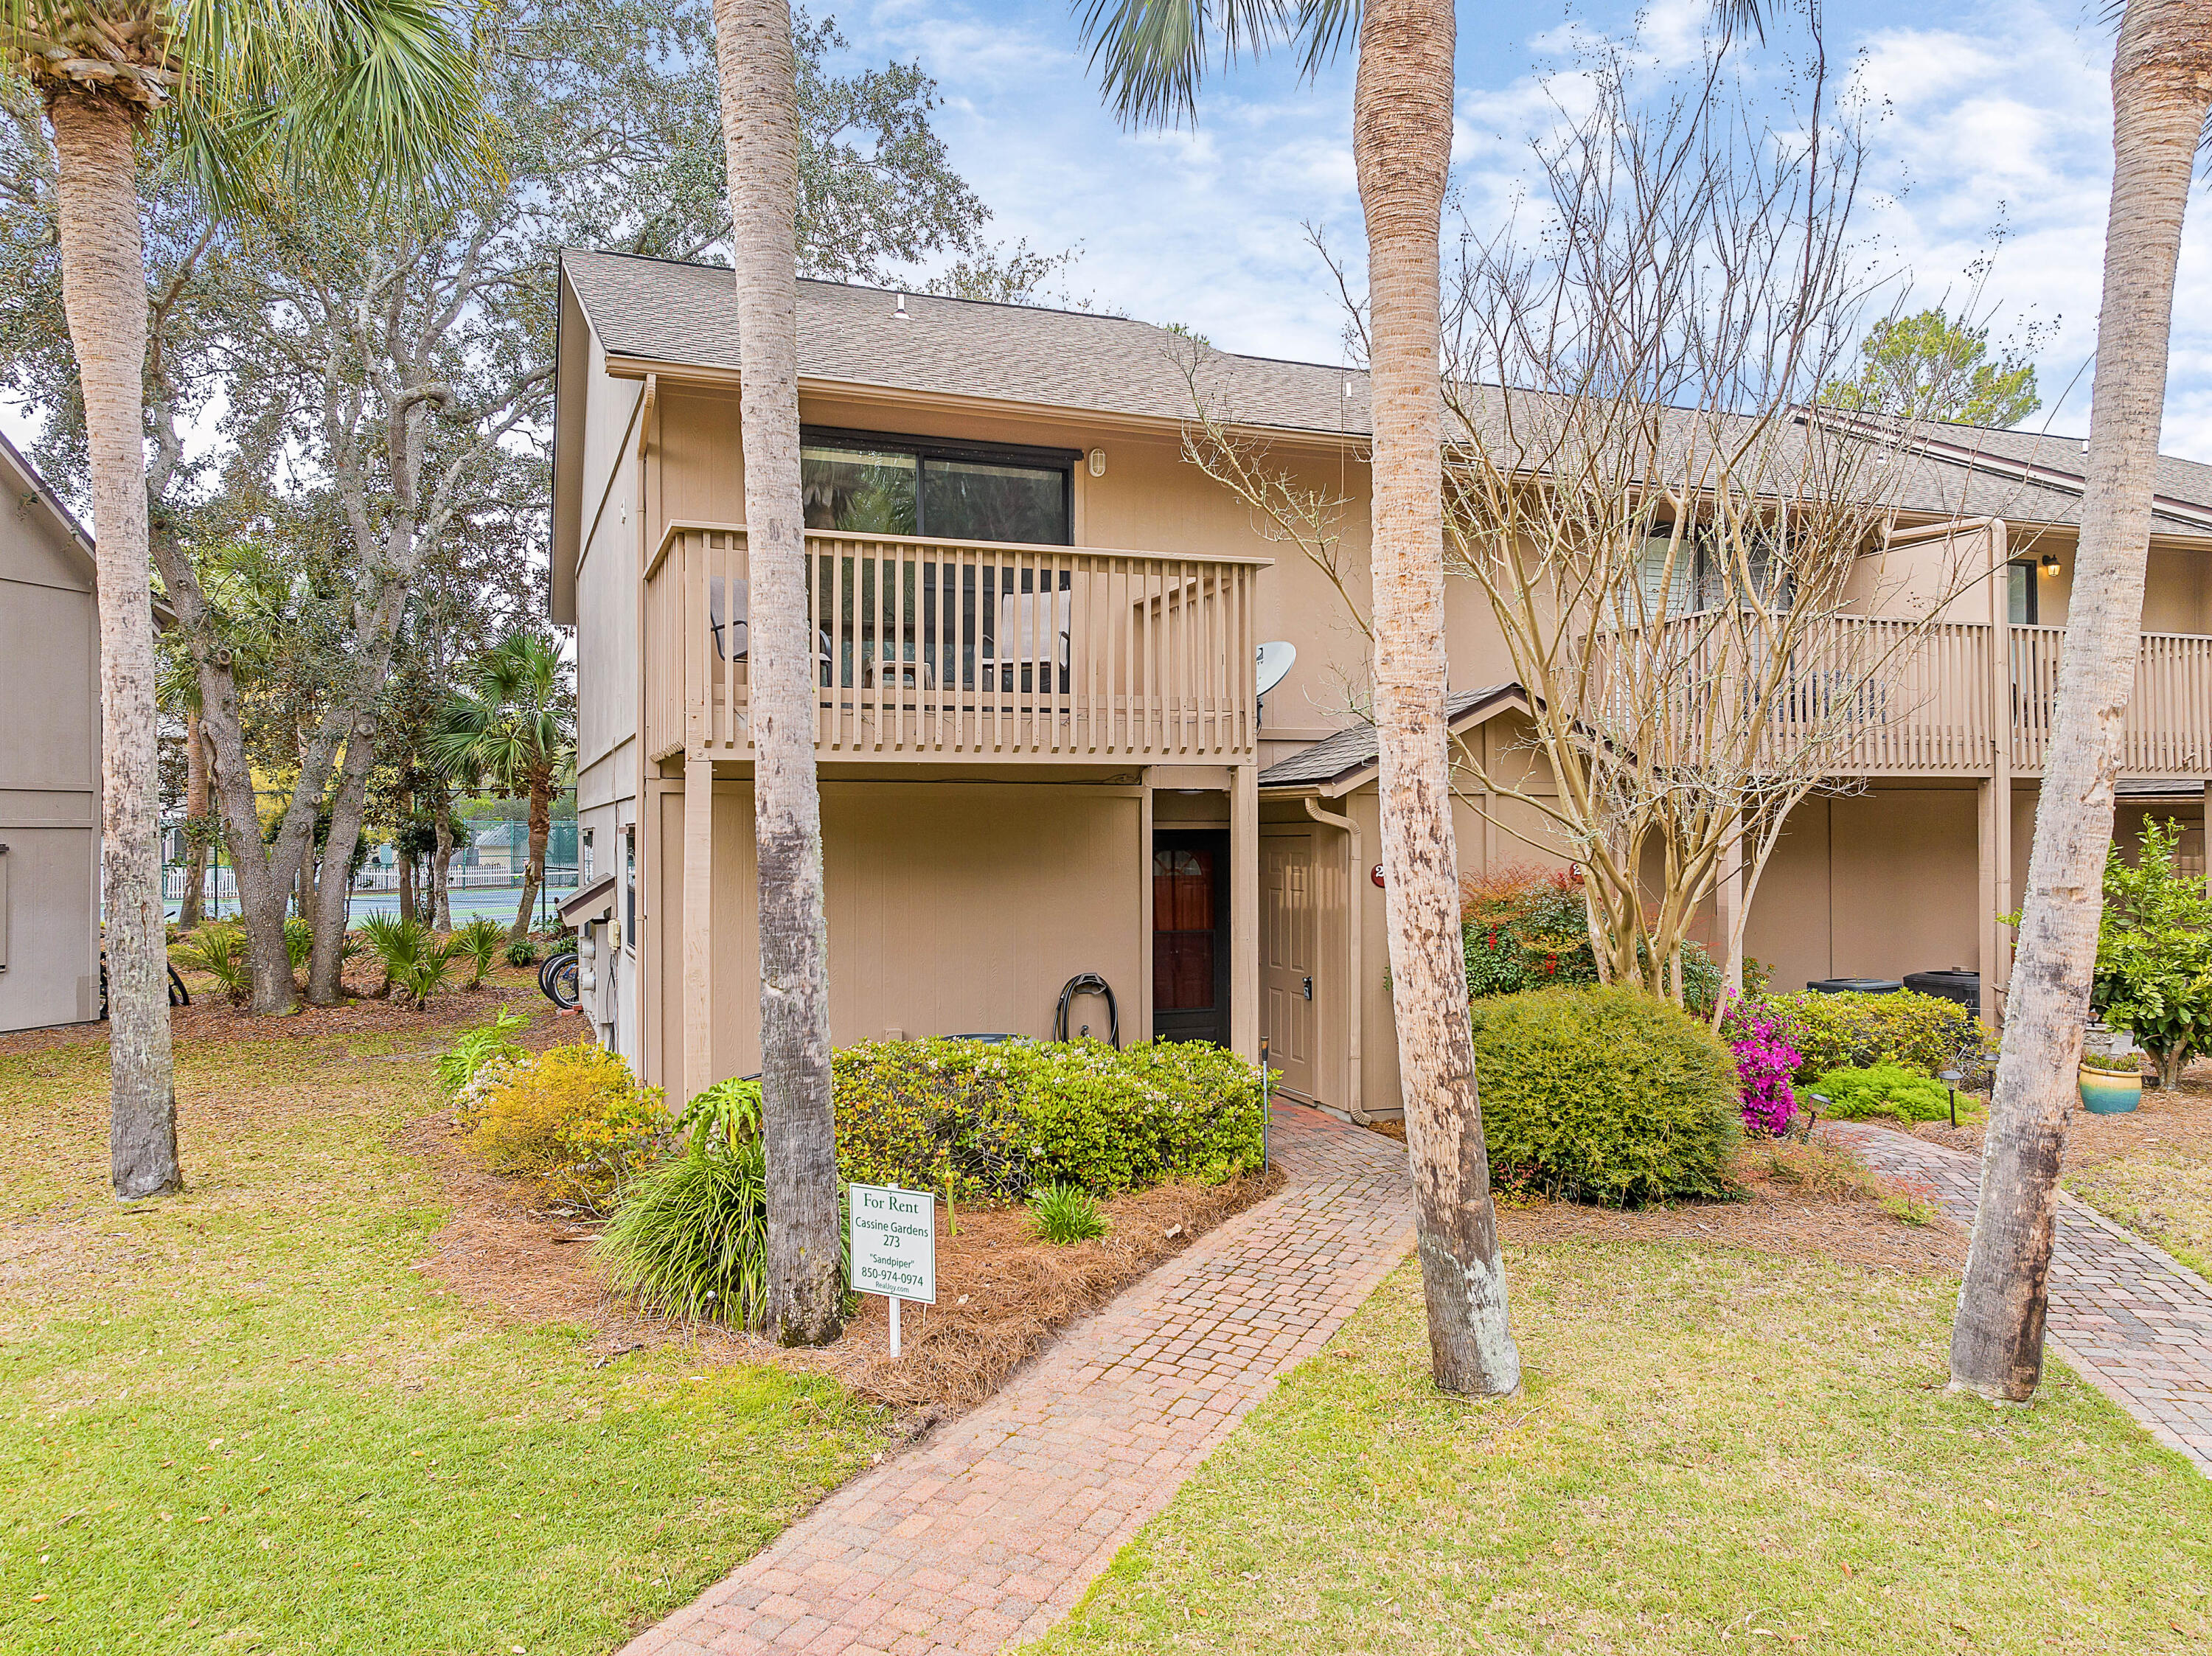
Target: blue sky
{"type": "Point", "coordinates": [1989, 114]}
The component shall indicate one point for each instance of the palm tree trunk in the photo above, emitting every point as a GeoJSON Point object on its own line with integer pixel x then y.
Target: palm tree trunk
{"type": "Point", "coordinates": [1401, 146]}
{"type": "Point", "coordinates": [2161, 84]}
{"type": "Point", "coordinates": [198, 820]}
{"type": "Point", "coordinates": [541, 831]}
{"type": "Point", "coordinates": [103, 295]}
{"type": "Point", "coordinates": [759, 131]}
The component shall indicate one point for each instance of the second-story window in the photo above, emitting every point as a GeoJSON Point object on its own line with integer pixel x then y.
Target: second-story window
{"type": "Point", "coordinates": [865, 483]}
{"type": "Point", "coordinates": [2019, 593]}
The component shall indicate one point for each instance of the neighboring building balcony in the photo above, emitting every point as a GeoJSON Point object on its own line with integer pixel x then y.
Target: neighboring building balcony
{"type": "Point", "coordinates": [989, 652]}
{"type": "Point", "coordinates": [1940, 703]}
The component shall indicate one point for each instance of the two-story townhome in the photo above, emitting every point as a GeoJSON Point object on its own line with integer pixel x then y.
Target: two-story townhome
{"type": "Point", "coordinates": [1046, 761]}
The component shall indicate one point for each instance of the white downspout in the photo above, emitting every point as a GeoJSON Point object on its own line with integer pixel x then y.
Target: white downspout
{"type": "Point", "coordinates": [1355, 1097]}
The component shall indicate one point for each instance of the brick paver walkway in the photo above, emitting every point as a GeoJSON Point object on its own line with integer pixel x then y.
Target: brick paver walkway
{"type": "Point", "coordinates": [2137, 1324]}
{"type": "Point", "coordinates": [988, 1531]}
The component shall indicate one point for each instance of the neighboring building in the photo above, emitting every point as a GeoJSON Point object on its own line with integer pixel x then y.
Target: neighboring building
{"type": "Point", "coordinates": [1042, 754]}
{"type": "Point", "coordinates": [49, 758]}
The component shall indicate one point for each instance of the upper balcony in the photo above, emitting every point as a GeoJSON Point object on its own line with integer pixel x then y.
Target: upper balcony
{"type": "Point", "coordinates": [990, 652]}
{"type": "Point", "coordinates": [1938, 702]}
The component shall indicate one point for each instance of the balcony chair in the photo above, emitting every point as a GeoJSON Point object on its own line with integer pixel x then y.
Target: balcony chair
{"type": "Point", "coordinates": [1017, 638]}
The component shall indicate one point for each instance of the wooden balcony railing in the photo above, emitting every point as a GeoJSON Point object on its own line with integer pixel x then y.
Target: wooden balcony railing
{"type": "Point", "coordinates": [941, 649]}
{"type": "Point", "coordinates": [1935, 703]}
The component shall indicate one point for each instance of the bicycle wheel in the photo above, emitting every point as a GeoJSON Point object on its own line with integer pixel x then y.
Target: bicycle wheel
{"type": "Point", "coordinates": [562, 981]}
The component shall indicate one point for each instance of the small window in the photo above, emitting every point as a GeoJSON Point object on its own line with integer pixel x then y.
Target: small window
{"type": "Point", "coordinates": [2020, 593]}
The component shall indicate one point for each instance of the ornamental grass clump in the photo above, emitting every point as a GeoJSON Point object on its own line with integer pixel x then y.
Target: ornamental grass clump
{"type": "Point", "coordinates": [1604, 1096]}
{"type": "Point", "coordinates": [689, 1240]}
{"type": "Point", "coordinates": [1765, 1061]}
{"type": "Point", "coordinates": [1065, 1213]}
{"type": "Point", "coordinates": [573, 1119]}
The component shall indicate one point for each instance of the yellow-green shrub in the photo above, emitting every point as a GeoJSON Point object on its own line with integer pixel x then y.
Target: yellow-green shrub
{"type": "Point", "coordinates": [1604, 1095]}
{"type": "Point", "coordinates": [1926, 1034]}
{"type": "Point", "coordinates": [995, 1120]}
{"type": "Point", "coordinates": [574, 1119]}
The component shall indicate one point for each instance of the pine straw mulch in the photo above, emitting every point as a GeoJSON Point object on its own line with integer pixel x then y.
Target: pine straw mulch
{"type": "Point", "coordinates": [1830, 1210]}
{"type": "Point", "coordinates": [2179, 1120]}
{"type": "Point", "coordinates": [1002, 1295]}
{"type": "Point", "coordinates": [212, 1018]}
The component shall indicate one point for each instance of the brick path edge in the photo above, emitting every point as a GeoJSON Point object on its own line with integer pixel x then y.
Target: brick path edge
{"type": "Point", "coordinates": [987, 1533]}
{"type": "Point", "coordinates": [2125, 1315]}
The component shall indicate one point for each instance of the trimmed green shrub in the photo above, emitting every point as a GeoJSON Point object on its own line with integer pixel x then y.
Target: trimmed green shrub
{"type": "Point", "coordinates": [1066, 1213]}
{"type": "Point", "coordinates": [1887, 1089]}
{"type": "Point", "coordinates": [1604, 1095]}
{"type": "Point", "coordinates": [1926, 1034]}
{"type": "Point", "coordinates": [994, 1119]}
{"type": "Point", "coordinates": [523, 951]}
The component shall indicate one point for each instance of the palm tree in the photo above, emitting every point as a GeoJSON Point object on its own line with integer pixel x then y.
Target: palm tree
{"type": "Point", "coordinates": [2161, 94]}
{"type": "Point", "coordinates": [239, 92]}
{"type": "Point", "coordinates": [516, 734]}
{"type": "Point", "coordinates": [1151, 55]}
{"type": "Point", "coordinates": [760, 133]}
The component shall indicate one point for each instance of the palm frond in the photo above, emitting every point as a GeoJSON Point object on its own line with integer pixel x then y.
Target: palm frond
{"type": "Point", "coordinates": [373, 98]}
{"type": "Point", "coordinates": [1151, 54]}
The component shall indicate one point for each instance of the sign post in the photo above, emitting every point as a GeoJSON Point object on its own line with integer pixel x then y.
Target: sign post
{"type": "Point", "coordinates": [891, 1235]}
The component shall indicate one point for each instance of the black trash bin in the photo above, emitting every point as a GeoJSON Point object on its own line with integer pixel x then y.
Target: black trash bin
{"type": "Point", "coordinates": [1952, 983]}
{"type": "Point", "coordinates": [1856, 986]}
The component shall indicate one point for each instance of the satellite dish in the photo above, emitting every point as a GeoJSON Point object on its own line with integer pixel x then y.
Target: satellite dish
{"type": "Point", "coordinates": [1274, 664]}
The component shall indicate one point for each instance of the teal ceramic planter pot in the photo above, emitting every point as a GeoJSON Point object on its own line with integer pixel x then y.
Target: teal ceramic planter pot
{"type": "Point", "coordinates": [2104, 1093]}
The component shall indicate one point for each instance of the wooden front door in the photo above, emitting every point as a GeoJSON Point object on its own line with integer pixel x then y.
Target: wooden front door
{"type": "Point", "coordinates": [1190, 935]}
{"type": "Point", "coordinates": [1287, 931]}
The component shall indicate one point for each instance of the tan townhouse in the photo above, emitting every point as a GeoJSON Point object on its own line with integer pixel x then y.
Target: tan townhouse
{"type": "Point", "coordinates": [48, 757]}
{"type": "Point", "coordinates": [1048, 767]}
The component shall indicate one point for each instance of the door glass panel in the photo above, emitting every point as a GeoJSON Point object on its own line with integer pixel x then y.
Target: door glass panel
{"type": "Point", "coordinates": [1182, 930]}
{"type": "Point", "coordinates": [972, 501]}
{"type": "Point", "coordinates": [859, 491]}
{"type": "Point", "coordinates": [2020, 593]}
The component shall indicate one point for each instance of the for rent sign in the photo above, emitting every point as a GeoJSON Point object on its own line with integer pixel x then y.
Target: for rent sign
{"type": "Point", "coordinates": [893, 1234]}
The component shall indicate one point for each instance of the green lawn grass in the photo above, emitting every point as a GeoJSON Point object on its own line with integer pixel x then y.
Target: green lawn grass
{"type": "Point", "coordinates": [1714, 1452]}
{"type": "Point", "coordinates": [239, 1420]}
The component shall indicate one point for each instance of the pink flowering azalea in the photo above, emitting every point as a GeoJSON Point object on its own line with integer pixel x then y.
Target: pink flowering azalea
{"type": "Point", "coordinates": [1765, 1061]}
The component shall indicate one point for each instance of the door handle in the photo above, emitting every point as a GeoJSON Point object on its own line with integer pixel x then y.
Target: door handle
{"type": "Point", "coordinates": [1309, 988]}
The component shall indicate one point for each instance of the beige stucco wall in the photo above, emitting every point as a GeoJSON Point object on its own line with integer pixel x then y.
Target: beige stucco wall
{"type": "Point", "coordinates": [48, 770]}
{"type": "Point", "coordinates": [952, 908]}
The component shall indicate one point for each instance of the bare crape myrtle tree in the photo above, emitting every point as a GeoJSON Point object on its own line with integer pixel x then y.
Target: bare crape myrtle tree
{"type": "Point", "coordinates": [1681, 556]}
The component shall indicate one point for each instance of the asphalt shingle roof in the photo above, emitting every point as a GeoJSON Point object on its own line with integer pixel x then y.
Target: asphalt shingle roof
{"type": "Point", "coordinates": [663, 311]}
{"type": "Point", "coordinates": [1353, 749]}
{"type": "Point", "coordinates": [685, 313]}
